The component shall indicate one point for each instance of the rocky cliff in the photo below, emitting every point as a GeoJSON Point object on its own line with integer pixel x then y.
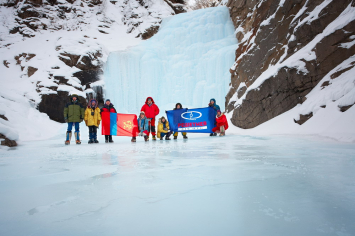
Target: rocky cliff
{"type": "Point", "coordinates": [288, 48]}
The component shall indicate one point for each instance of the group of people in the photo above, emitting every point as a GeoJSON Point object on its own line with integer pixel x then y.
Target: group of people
{"type": "Point", "coordinates": [74, 114]}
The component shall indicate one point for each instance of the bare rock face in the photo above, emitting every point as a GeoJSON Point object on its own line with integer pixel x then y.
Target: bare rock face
{"type": "Point", "coordinates": [53, 105]}
{"type": "Point", "coordinates": [6, 142]}
{"type": "Point", "coordinates": [177, 5]}
{"type": "Point", "coordinates": [31, 70]}
{"type": "Point", "coordinates": [150, 32]}
{"type": "Point", "coordinates": [285, 45]}
{"type": "Point", "coordinates": [303, 118]}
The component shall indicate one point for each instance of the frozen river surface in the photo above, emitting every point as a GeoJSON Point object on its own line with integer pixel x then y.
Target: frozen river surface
{"type": "Point", "coordinates": [235, 185]}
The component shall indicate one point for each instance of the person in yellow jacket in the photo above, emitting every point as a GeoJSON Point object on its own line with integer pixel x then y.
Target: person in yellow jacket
{"type": "Point", "coordinates": [92, 119]}
{"type": "Point", "coordinates": [163, 129]}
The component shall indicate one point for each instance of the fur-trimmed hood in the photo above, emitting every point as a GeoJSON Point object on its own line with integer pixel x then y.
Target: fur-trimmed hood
{"type": "Point", "coordinates": [146, 101]}
{"type": "Point", "coordinates": [74, 95]}
{"type": "Point", "coordinates": [89, 104]}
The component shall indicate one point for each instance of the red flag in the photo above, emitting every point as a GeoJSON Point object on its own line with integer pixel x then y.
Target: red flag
{"type": "Point", "coordinates": [127, 125]}
{"type": "Point", "coordinates": [105, 123]}
{"type": "Point", "coordinates": [119, 124]}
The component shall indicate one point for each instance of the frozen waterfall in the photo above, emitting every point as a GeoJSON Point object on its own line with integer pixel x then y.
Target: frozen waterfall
{"type": "Point", "coordinates": [187, 61]}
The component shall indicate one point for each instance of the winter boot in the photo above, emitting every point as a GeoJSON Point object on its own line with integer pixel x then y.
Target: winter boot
{"type": "Point", "coordinates": [154, 138]}
{"type": "Point", "coordinates": [133, 140]}
{"type": "Point", "coordinates": [68, 138]}
{"type": "Point", "coordinates": [91, 140]}
{"type": "Point", "coordinates": [167, 136]}
{"type": "Point", "coordinates": [175, 137]}
{"type": "Point", "coordinates": [106, 138]}
{"type": "Point", "coordinates": [211, 134]}
{"type": "Point", "coordinates": [214, 134]}
{"type": "Point", "coordinates": [110, 139]}
{"type": "Point", "coordinates": [161, 138]}
{"type": "Point", "coordinates": [77, 137]}
{"type": "Point", "coordinates": [184, 136]}
{"type": "Point", "coordinates": [94, 135]}
{"type": "Point", "coordinates": [223, 131]}
{"type": "Point", "coordinates": [146, 138]}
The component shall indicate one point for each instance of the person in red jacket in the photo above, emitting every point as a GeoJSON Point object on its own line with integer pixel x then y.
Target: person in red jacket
{"type": "Point", "coordinates": [108, 107]}
{"type": "Point", "coordinates": [222, 124]}
{"type": "Point", "coordinates": [151, 111]}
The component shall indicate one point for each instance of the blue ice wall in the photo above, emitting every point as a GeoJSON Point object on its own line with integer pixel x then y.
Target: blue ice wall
{"type": "Point", "coordinates": [187, 61]}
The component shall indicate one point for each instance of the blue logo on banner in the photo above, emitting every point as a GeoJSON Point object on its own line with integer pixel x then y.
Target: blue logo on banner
{"type": "Point", "coordinates": [200, 120]}
{"type": "Point", "coordinates": [191, 115]}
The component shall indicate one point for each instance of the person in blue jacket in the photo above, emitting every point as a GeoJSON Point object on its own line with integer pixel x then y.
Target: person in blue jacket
{"type": "Point", "coordinates": [143, 127]}
{"type": "Point", "coordinates": [216, 108]}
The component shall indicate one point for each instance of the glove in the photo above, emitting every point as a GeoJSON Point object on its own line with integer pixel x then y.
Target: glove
{"type": "Point", "coordinates": [66, 120]}
{"type": "Point", "coordinates": [81, 120]}
{"type": "Point", "coordinates": [166, 129]}
{"type": "Point", "coordinates": [140, 134]}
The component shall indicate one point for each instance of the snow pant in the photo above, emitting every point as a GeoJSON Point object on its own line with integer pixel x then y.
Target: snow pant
{"type": "Point", "coordinates": [167, 134]}
{"type": "Point", "coordinates": [70, 126]}
{"type": "Point", "coordinates": [217, 129]}
{"type": "Point", "coordinates": [215, 123]}
{"type": "Point", "coordinates": [93, 132]}
{"type": "Point", "coordinates": [108, 137]}
{"type": "Point", "coordinates": [177, 133]}
{"type": "Point", "coordinates": [151, 126]}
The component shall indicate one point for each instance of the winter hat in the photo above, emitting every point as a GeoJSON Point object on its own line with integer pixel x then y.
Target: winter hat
{"type": "Point", "coordinates": [142, 112]}
{"type": "Point", "coordinates": [108, 100]}
{"type": "Point", "coordinates": [219, 111]}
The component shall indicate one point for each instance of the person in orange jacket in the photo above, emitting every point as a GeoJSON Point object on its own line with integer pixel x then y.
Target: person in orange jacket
{"type": "Point", "coordinates": [222, 124]}
{"type": "Point", "coordinates": [151, 110]}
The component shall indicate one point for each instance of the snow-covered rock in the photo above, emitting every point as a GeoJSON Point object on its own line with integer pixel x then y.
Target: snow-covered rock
{"type": "Point", "coordinates": [292, 55]}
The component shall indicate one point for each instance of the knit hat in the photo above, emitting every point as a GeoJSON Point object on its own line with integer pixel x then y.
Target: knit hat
{"type": "Point", "coordinates": [108, 100]}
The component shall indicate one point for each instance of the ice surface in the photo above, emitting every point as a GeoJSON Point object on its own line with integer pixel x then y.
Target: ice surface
{"type": "Point", "coordinates": [236, 185]}
{"type": "Point", "coordinates": [187, 61]}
